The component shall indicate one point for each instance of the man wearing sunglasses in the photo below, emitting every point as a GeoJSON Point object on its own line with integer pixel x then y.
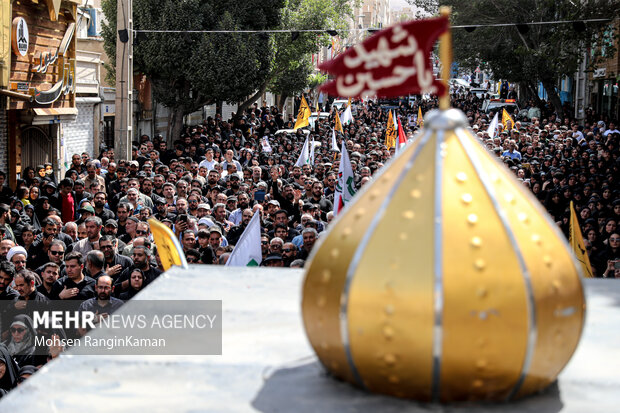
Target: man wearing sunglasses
{"type": "Point", "coordinates": [56, 255]}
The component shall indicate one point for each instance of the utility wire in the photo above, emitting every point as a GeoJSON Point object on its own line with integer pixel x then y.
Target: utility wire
{"type": "Point", "coordinates": [464, 26]}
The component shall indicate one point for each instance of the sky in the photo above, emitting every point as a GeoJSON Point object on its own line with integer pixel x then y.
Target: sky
{"type": "Point", "coordinates": [398, 4]}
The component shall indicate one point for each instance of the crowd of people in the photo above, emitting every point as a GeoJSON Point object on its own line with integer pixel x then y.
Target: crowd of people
{"type": "Point", "coordinates": [85, 237]}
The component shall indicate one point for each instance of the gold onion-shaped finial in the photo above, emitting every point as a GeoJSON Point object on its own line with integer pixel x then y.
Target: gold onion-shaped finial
{"type": "Point", "coordinates": [444, 280]}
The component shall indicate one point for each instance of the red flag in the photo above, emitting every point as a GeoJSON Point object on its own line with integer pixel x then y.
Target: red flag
{"type": "Point", "coordinates": [402, 139]}
{"type": "Point", "coordinates": [393, 62]}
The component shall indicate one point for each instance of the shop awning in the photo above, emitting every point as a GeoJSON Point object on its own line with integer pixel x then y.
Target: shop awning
{"type": "Point", "coordinates": [46, 116]}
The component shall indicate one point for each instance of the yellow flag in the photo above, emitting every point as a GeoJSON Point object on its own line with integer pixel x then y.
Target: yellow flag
{"type": "Point", "coordinates": [338, 124]}
{"type": "Point", "coordinates": [505, 118]}
{"type": "Point", "coordinates": [390, 133]}
{"type": "Point", "coordinates": [317, 106]}
{"type": "Point", "coordinates": [303, 114]}
{"type": "Point", "coordinates": [168, 246]}
{"type": "Point", "coordinates": [420, 117]}
{"type": "Point", "coordinates": [575, 239]}
{"type": "Point", "coordinates": [349, 102]}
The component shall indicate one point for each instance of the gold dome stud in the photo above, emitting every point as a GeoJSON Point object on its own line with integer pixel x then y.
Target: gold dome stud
{"type": "Point", "coordinates": [472, 311]}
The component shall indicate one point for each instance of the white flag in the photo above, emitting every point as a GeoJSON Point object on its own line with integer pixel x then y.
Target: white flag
{"type": "Point", "coordinates": [304, 156]}
{"type": "Point", "coordinates": [347, 116]}
{"type": "Point", "coordinates": [312, 151]}
{"type": "Point", "coordinates": [345, 184]}
{"type": "Point", "coordinates": [493, 127]}
{"type": "Point", "coordinates": [248, 252]}
{"type": "Point", "coordinates": [334, 142]}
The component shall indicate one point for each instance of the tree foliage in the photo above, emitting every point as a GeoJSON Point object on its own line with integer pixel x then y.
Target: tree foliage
{"type": "Point", "coordinates": [291, 64]}
{"type": "Point", "coordinates": [527, 53]}
{"type": "Point", "coordinates": [189, 70]}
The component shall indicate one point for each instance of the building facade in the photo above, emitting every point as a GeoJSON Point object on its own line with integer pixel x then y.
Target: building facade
{"type": "Point", "coordinates": [39, 79]}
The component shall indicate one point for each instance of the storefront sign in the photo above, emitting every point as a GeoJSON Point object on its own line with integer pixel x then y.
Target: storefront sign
{"type": "Point", "coordinates": [600, 72]}
{"type": "Point", "coordinates": [66, 84]}
{"type": "Point", "coordinates": [20, 36]}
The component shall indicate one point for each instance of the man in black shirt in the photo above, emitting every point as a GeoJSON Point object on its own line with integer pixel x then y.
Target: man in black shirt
{"type": "Point", "coordinates": [49, 274]}
{"type": "Point", "coordinates": [103, 304]}
{"type": "Point", "coordinates": [115, 263]}
{"type": "Point", "coordinates": [7, 273]}
{"type": "Point", "coordinates": [141, 260]}
{"type": "Point", "coordinates": [75, 285]}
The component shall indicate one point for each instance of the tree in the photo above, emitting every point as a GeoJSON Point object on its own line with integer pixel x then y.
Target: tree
{"type": "Point", "coordinates": [190, 70]}
{"type": "Point", "coordinates": [291, 64]}
{"type": "Point", "coordinates": [528, 53]}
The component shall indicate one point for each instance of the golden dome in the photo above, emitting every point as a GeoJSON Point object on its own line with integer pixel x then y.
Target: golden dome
{"type": "Point", "coordinates": [444, 280]}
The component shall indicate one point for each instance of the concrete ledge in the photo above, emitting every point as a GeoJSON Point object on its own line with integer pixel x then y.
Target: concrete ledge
{"type": "Point", "coordinates": [268, 366]}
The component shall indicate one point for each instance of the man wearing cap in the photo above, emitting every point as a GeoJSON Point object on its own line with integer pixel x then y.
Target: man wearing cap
{"type": "Point", "coordinates": [203, 210]}
{"type": "Point", "coordinates": [273, 260]}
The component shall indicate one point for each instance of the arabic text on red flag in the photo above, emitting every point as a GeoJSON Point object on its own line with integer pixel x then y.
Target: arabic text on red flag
{"type": "Point", "coordinates": [393, 62]}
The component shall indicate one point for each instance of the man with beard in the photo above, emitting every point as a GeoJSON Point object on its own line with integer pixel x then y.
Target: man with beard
{"type": "Point", "coordinates": [122, 212]}
{"type": "Point", "coordinates": [234, 184]}
{"type": "Point", "coordinates": [141, 260]}
{"type": "Point", "coordinates": [5, 221]}
{"type": "Point", "coordinates": [235, 233]}
{"type": "Point", "coordinates": [317, 197]}
{"type": "Point", "coordinates": [93, 177]}
{"type": "Point", "coordinates": [169, 192]}
{"type": "Point", "coordinates": [115, 186]}
{"type": "Point", "coordinates": [100, 199]}
{"type": "Point", "coordinates": [193, 201]}
{"type": "Point", "coordinates": [5, 247]}
{"type": "Point", "coordinates": [49, 275]}
{"type": "Point", "coordinates": [103, 304]}
{"type": "Point", "coordinates": [243, 202]}
{"type": "Point", "coordinates": [115, 263]}
{"type": "Point", "coordinates": [93, 233]}
{"type": "Point", "coordinates": [288, 199]}
{"type": "Point", "coordinates": [158, 184]}
{"type": "Point", "coordinates": [75, 285]}
{"type": "Point", "coordinates": [212, 179]}
{"type": "Point", "coordinates": [7, 273]}
{"type": "Point", "coordinates": [289, 251]}
{"type": "Point", "coordinates": [55, 255]}
{"type": "Point", "coordinates": [29, 298]}
{"type": "Point", "coordinates": [37, 255]}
